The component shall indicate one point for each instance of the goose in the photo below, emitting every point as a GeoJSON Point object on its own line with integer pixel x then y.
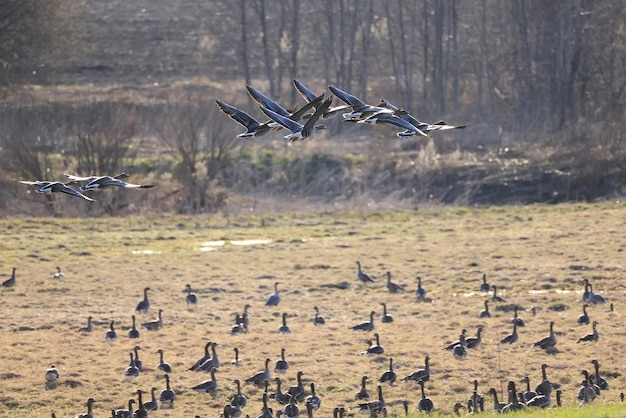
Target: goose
{"type": "Point", "coordinates": [363, 394]}
{"type": "Point", "coordinates": [375, 348]}
{"type": "Point", "coordinates": [374, 407]}
{"type": "Point", "coordinates": [89, 413]}
{"type": "Point", "coordinates": [211, 362]}
{"type": "Point", "coordinates": [386, 318]}
{"type": "Point", "coordinates": [236, 361]}
{"type": "Point", "coordinates": [253, 127]}
{"type": "Point", "coordinates": [99, 183]}
{"type": "Point", "coordinates": [549, 341]}
{"type": "Point", "coordinates": [138, 363]}
{"type": "Point", "coordinates": [266, 412]}
{"type": "Point", "coordinates": [484, 286]}
{"type": "Point", "coordinates": [595, 297]}
{"type": "Point", "coordinates": [514, 404]}
{"type": "Point", "coordinates": [474, 342]}
{"type": "Point", "coordinates": [453, 344]}
{"type": "Point", "coordinates": [558, 397]}
{"type": "Point", "coordinates": [124, 413]}
{"type": "Point", "coordinates": [152, 404]}
{"type": "Point", "coordinates": [284, 328]}
{"type": "Point", "coordinates": [297, 391]}
{"type": "Point", "coordinates": [390, 375]}
{"type": "Point", "coordinates": [393, 287]}
{"type": "Point", "coordinates": [485, 313]}
{"type": "Point", "coordinates": [457, 408]}
{"type": "Point", "coordinates": [238, 327]}
{"type": "Point", "coordinates": [313, 400]}
{"type": "Point", "coordinates": [422, 126]}
{"type": "Point", "coordinates": [476, 400]}
{"type": "Point", "coordinates": [528, 394]}
{"type": "Point", "coordinates": [58, 275]}
{"type": "Point", "coordinates": [281, 365]}
{"type": "Point", "coordinates": [56, 187]}
{"type": "Point", "coordinates": [133, 332]}
{"type": "Point", "coordinates": [52, 375]}
{"type": "Point", "coordinates": [273, 299]}
{"type": "Point", "coordinates": [10, 282]}
{"type": "Point", "coordinates": [154, 324]}
{"type": "Point", "coordinates": [583, 319]}
{"type": "Point", "coordinates": [495, 296]}
{"type": "Point", "coordinates": [600, 381]}
{"type": "Point", "coordinates": [88, 327]}
{"type": "Point", "coordinates": [365, 326]}
{"type": "Point", "coordinates": [516, 319]}
{"type": "Point", "coordinates": [420, 374]}
{"type": "Point", "coordinates": [291, 410]}
{"type": "Point", "coordinates": [545, 387]}
{"type": "Point", "coordinates": [141, 411]}
{"type": "Point", "coordinates": [425, 404]}
{"type": "Point", "coordinates": [460, 350]}
{"type": "Point", "coordinates": [162, 365]}
{"type": "Point", "coordinates": [238, 400]}
{"type": "Point", "coordinates": [497, 406]}
{"type": "Point", "coordinates": [245, 319]}
{"type": "Point", "coordinates": [387, 118]}
{"type": "Point", "coordinates": [590, 337]}
{"type": "Point", "coordinates": [539, 401]}
{"type": "Point", "coordinates": [111, 334]}
{"type": "Point", "coordinates": [297, 116]}
{"type": "Point", "coordinates": [144, 305]}
{"type": "Point", "coordinates": [317, 319]}
{"type": "Point", "coordinates": [131, 370]}
{"type": "Point", "coordinates": [207, 386]}
{"type": "Point", "coordinates": [586, 393]}
{"type": "Point", "coordinates": [261, 377]}
{"type": "Point", "coordinates": [191, 298]}
{"type": "Point", "coordinates": [167, 395]}
{"type": "Point", "coordinates": [420, 292]}
{"type": "Point", "coordinates": [512, 337]}
{"type": "Point", "coordinates": [298, 131]}
{"type": "Point", "coordinates": [309, 96]}
{"type": "Point", "coordinates": [363, 276]}
{"type": "Point", "coordinates": [280, 396]}
{"type": "Point", "coordinates": [202, 359]}
{"type": "Point", "coordinates": [359, 109]}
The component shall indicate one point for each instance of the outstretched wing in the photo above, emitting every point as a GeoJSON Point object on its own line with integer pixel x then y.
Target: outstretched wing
{"type": "Point", "coordinates": [267, 102]}
{"type": "Point", "coordinates": [346, 97]}
{"type": "Point", "coordinates": [237, 115]}
{"type": "Point", "coordinates": [293, 126]}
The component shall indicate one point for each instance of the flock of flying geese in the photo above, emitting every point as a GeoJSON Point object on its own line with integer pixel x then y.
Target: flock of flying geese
{"type": "Point", "coordinates": [591, 386]}
{"type": "Point", "coordinates": [302, 122]}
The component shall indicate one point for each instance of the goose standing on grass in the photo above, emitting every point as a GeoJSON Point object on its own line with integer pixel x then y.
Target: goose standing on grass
{"type": "Point", "coordinates": [52, 375]}
{"type": "Point", "coordinates": [253, 127]}
{"type": "Point", "coordinates": [600, 381]}
{"type": "Point", "coordinates": [386, 318]}
{"type": "Point", "coordinates": [281, 365]}
{"type": "Point", "coordinates": [202, 359]}
{"type": "Point", "coordinates": [476, 401]}
{"type": "Point", "coordinates": [420, 374]}
{"type": "Point", "coordinates": [10, 282]}
{"type": "Point", "coordinates": [425, 404]}
{"type": "Point", "coordinates": [375, 348]}
{"type": "Point", "coordinates": [497, 406]}
{"type": "Point", "coordinates": [237, 328]}
{"type": "Point", "coordinates": [297, 391]}
{"type": "Point", "coordinates": [374, 407]}
{"type": "Point", "coordinates": [365, 326]}
{"type": "Point", "coordinates": [363, 277]}
{"type": "Point", "coordinates": [212, 362]}
{"type": "Point", "coordinates": [191, 298]}
{"type": "Point", "coordinates": [313, 400]}
{"type": "Point", "coordinates": [453, 344]}
{"type": "Point", "coordinates": [208, 386]}
{"type": "Point", "coordinates": [58, 275]}
{"type": "Point", "coordinates": [299, 132]}
{"type": "Point", "coordinates": [545, 387]}
{"type": "Point", "coordinates": [393, 287]}
{"type": "Point", "coordinates": [89, 327]}
{"type": "Point", "coordinates": [420, 292]}
{"type": "Point", "coordinates": [594, 297]}
{"type": "Point", "coordinates": [167, 395]}
{"type": "Point", "coordinates": [144, 304]}
{"type": "Point", "coordinates": [291, 410]}
{"type": "Point", "coordinates": [485, 313]}
{"type": "Point", "coordinates": [238, 400]}
{"type": "Point", "coordinates": [89, 413]}
{"type": "Point", "coordinates": [141, 411]}
{"type": "Point", "coordinates": [474, 342]}
{"type": "Point", "coordinates": [138, 362]}
{"type": "Point", "coordinates": [284, 328]}
{"type": "Point", "coordinates": [56, 187]}
{"type": "Point", "coordinates": [516, 319]}
{"type": "Point", "coordinates": [549, 341]}
{"type": "Point", "coordinates": [131, 370]}
{"type": "Point", "coordinates": [162, 365]}
{"type": "Point", "coordinates": [514, 404]}
{"type": "Point", "coordinates": [583, 319]}
{"type": "Point", "coordinates": [460, 350]}
{"type": "Point", "coordinates": [363, 394]}
{"type": "Point", "coordinates": [133, 332]}
{"type": "Point", "coordinates": [259, 379]}
{"type": "Point", "coordinates": [512, 337]}
{"type": "Point", "coordinates": [317, 319]}
{"type": "Point", "coordinates": [495, 296]}
{"type": "Point", "coordinates": [152, 404]}
{"type": "Point", "coordinates": [594, 336]}
{"type": "Point", "coordinates": [390, 375]}
{"type": "Point", "coordinates": [236, 361]}
{"type": "Point", "coordinates": [124, 413]}
{"type": "Point", "coordinates": [528, 394]}
{"type": "Point", "coordinates": [111, 334]}
{"type": "Point", "coordinates": [155, 324]}
{"type": "Point", "coordinates": [273, 299]}
{"type": "Point", "coordinates": [280, 396]}
{"type": "Point", "coordinates": [484, 286]}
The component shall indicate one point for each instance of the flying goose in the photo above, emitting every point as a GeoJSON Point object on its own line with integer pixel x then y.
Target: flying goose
{"type": "Point", "coordinates": [422, 126]}
{"type": "Point", "coordinates": [549, 341]}
{"type": "Point", "coordinates": [167, 395]}
{"type": "Point", "coordinates": [386, 318]}
{"type": "Point", "coordinates": [273, 299]}
{"type": "Point", "coordinates": [484, 286]}
{"type": "Point", "coordinates": [10, 282]}
{"type": "Point", "coordinates": [600, 381]}
{"type": "Point", "coordinates": [420, 374]}
{"type": "Point", "coordinates": [313, 399]}
{"type": "Point", "coordinates": [362, 276]}
{"type": "Point", "coordinates": [593, 336]}
{"type": "Point", "coordinates": [309, 96]}
{"type": "Point", "coordinates": [212, 362]}
{"type": "Point", "coordinates": [420, 292]}
{"type": "Point", "coordinates": [497, 406]}
{"type": "Point", "coordinates": [495, 296]}
{"type": "Point", "coordinates": [238, 400]}
{"type": "Point", "coordinates": [202, 359]}
{"type": "Point", "coordinates": [56, 187]}
{"type": "Point", "coordinates": [284, 328]}
{"type": "Point", "coordinates": [152, 404]}
{"type": "Point", "coordinates": [298, 131]}
{"type": "Point", "coordinates": [111, 334]}
{"type": "Point", "coordinates": [297, 391]}
{"type": "Point", "coordinates": [281, 365]}
{"type": "Point", "coordinates": [317, 319]}
{"type": "Point", "coordinates": [89, 413]}
{"type": "Point", "coordinates": [261, 377]}
{"type": "Point", "coordinates": [425, 404]}
{"type": "Point", "coordinates": [268, 103]}
{"type": "Point", "coordinates": [365, 326]}
{"type": "Point", "coordinates": [191, 298]}
{"type": "Point", "coordinates": [58, 275]}
{"type": "Point", "coordinates": [512, 337]}
{"type": "Point", "coordinates": [485, 313]}
{"type": "Point", "coordinates": [162, 365]}
{"type": "Point", "coordinates": [473, 342]}
{"type": "Point", "coordinates": [363, 394]}
{"type": "Point", "coordinates": [516, 319]}
{"type": "Point", "coordinates": [207, 386]}
{"type": "Point", "coordinates": [393, 287]}
{"type": "Point", "coordinates": [154, 324]}
{"type": "Point", "coordinates": [101, 182]}
{"type": "Point", "coordinates": [124, 413]}
{"type": "Point", "coordinates": [141, 411]}
{"type": "Point", "coordinates": [460, 350]}
{"type": "Point", "coordinates": [374, 407]}
{"type": "Point", "coordinates": [131, 370]}
{"type": "Point", "coordinates": [390, 375]}
{"type": "Point", "coordinates": [359, 109]}
{"type": "Point", "coordinates": [144, 304]}
{"type": "Point", "coordinates": [375, 348]}
{"type": "Point", "coordinates": [583, 319]}
{"type": "Point", "coordinates": [385, 117]}
{"type": "Point", "coordinates": [253, 127]}
{"type": "Point", "coordinates": [133, 332]}
{"type": "Point", "coordinates": [138, 362]}
{"type": "Point", "coordinates": [89, 327]}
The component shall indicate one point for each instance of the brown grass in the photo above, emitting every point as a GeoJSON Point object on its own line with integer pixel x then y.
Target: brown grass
{"type": "Point", "coordinates": [538, 255]}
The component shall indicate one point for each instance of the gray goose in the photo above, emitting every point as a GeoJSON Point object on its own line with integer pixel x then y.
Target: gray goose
{"type": "Point", "coordinates": [299, 132]}
{"type": "Point", "coordinates": [237, 328]}
{"type": "Point", "coordinates": [152, 404]}
{"type": "Point", "coordinates": [460, 350]}
{"type": "Point", "coordinates": [420, 292]}
{"type": "Point", "coordinates": [298, 391]}
{"type": "Point", "coordinates": [270, 104]}
{"type": "Point", "coordinates": [390, 375]}
{"type": "Point", "coordinates": [89, 327]}
{"type": "Point", "coordinates": [89, 413]}
{"type": "Point", "coordinates": [144, 304]}
{"type": "Point", "coordinates": [425, 404]}
{"type": "Point", "coordinates": [309, 96]}
{"type": "Point", "coordinates": [393, 287]}
{"type": "Point", "coordinates": [363, 394]}
{"type": "Point", "coordinates": [485, 313]}
{"type": "Point", "coordinates": [191, 298]}
{"type": "Point", "coordinates": [138, 362]}
{"type": "Point", "coordinates": [512, 337]}
{"type": "Point", "coordinates": [56, 187]}
{"type": "Point", "coordinates": [207, 386]}
{"type": "Point", "coordinates": [497, 406]}
{"type": "Point", "coordinates": [420, 374]}
{"type": "Point", "coordinates": [375, 348]}
{"type": "Point", "coordinates": [202, 359]}
{"type": "Point", "coordinates": [386, 318]}
{"type": "Point", "coordinates": [495, 296]}
{"type": "Point", "coordinates": [162, 365]}
{"type": "Point", "coordinates": [313, 400]}
{"type": "Point", "coordinates": [154, 324]}
{"type": "Point", "coordinates": [359, 109]}
{"type": "Point", "coordinates": [167, 395]}
{"type": "Point", "coordinates": [284, 328]}
{"type": "Point", "coordinates": [141, 411]}
{"type": "Point", "coordinates": [131, 370]}
{"type": "Point", "coordinates": [317, 319]}
{"type": "Point", "coordinates": [291, 410]}
{"type": "Point", "coordinates": [111, 334]}
{"type": "Point", "coordinates": [273, 299]}
{"type": "Point", "coordinates": [365, 326]}
{"type": "Point", "coordinates": [281, 365]}
{"type": "Point", "coordinates": [124, 413]}
{"type": "Point", "coordinates": [374, 407]}
{"type": "Point", "coordinates": [253, 127]}
{"type": "Point", "coordinates": [266, 412]}
{"type": "Point", "coordinates": [545, 387]}
{"type": "Point", "coordinates": [549, 341]}
{"type": "Point", "coordinates": [362, 276]}
{"type": "Point", "coordinates": [583, 319]}
{"type": "Point", "coordinates": [528, 394]}
{"type": "Point", "coordinates": [238, 400]}
{"type": "Point", "coordinates": [453, 344]}
{"type": "Point", "coordinates": [58, 275]}
{"type": "Point", "coordinates": [52, 374]}
{"type": "Point", "coordinates": [516, 319]}
{"type": "Point", "coordinates": [514, 403]}
{"type": "Point", "coordinates": [484, 286]}
{"type": "Point", "coordinates": [99, 183]}
{"type": "Point", "coordinates": [236, 361]}
{"type": "Point", "coordinates": [10, 282]}
{"type": "Point", "coordinates": [600, 381]}
{"type": "Point", "coordinates": [211, 363]}
{"type": "Point", "coordinates": [593, 336]}
{"type": "Point", "coordinates": [476, 400]}
{"type": "Point", "coordinates": [133, 332]}
{"type": "Point", "coordinates": [260, 378]}
{"type": "Point", "coordinates": [280, 396]}
{"type": "Point", "coordinates": [474, 342]}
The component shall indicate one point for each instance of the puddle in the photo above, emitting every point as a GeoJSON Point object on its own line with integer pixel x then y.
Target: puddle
{"type": "Point", "coordinates": [146, 252]}
{"type": "Point", "coordinates": [251, 242]}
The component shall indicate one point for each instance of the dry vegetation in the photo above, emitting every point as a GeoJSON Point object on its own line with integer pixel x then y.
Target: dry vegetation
{"type": "Point", "coordinates": [538, 255]}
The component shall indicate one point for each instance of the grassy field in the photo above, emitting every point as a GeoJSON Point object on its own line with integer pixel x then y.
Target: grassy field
{"type": "Point", "coordinates": [538, 256]}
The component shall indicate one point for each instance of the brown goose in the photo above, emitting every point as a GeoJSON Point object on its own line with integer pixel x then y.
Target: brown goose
{"type": "Point", "coordinates": [453, 344]}
{"type": "Point", "coordinates": [167, 395]}
{"type": "Point", "coordinates": [393, 287]}
{"type": "Point", "coordinates": [425, 404]}
{"type": "Point", "coordinates": [281, 365]}
{"type": "Point", "coordinates": [365, 326]}
{"type": "Point", "coordinates": [484, 286]}
{"type": "Point", "coordinates": [600, 381]}
{"type": "Point", "coordinates": [390, 375]}
{"type": "Point", "coordinates": [203, 358]}
{"type": "Point", "coordinates": [362, 276]}
{"type": "Point", "coordinates": [375, 348]}
{"type": "Point", "coordinates": [549, 341]}
{"type": "Point", "coordinates": [298, 391]}
{"type": "Point", "coordinates": [495, 296]}
{"type": "Point", "coordinates": [594, 336]}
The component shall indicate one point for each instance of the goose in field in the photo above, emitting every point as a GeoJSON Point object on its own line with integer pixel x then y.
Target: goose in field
{"type": "Point", "coordinates": [393, 287]}
{"type": "Point", "coordinates": [237, 328]}
{"type": "Point", "coordinates": [133, 332]}
{"type": "Point", "coordinates": [420, 374]}
{"type": "Point", "coordinates": [420, 292]}
{"type": "Point", "coordinates": [138, 362]}
{"type": "Point", "coordinates": [497, 406]}
{"type": "Point", "coordinates": [191, 298]}
{"type": "Point", "coordinates": [362, 276]}
{"type": "Point", "coordinates": [10, 282]}
{"type": "Point", "coordinates": [453, 344]}
{"type": "Point", "coordinates": [583, 319]}
{"type": "Point", "coordinates": [202, 359]}
{"type": "Point", "coordinates": [131, 370]}
{"type": "Point", "coordinates": [317, 319]}
{"type": "Point", "coordinates": [274, 298]}
{"type": "Point", "coordinates": [253, 127]}
{"type": "Point", "coordinates": [144, 304]}
{"type": "Point", "coordinates": [124, 413]}
{"type": "Point", "coordinates": [163, 365]}
{"type": "Point", "coordinates": [284, 328]}
{"type": "Point", "coordinates": [89, 413]}
{"type": "Point", "coordinates": [141, 411]}
{"type": "Point", "coordinates": [421, 126]}
{"type": "Point", "coordinates": [154, 324]}
{"type": "Point", "coordinates": [390, 375]}
{"type": "Point", "coordinates": [484, 286]}
{"type": "Point", "coordinates": [512, 337]}
{"type": "Point", "coordinates": [313, 399]}
{"type": "Point", "coordinates": [600, 381]}
{"type": "Point", "coordinates": [476, 401]}
{"type": "Point", "coordinates": [363, 394]}
{"type": "Point", "coordinates": [495, 296]}
{"type": "Point", "coordinates": [485, 313]}
{"type": "Point", "coordinates": [56, 187]}
{"type": "Point", "coordinates": [298, 131]}
{"type": "Point", "coordinates": [266, 412]}
{"type": "Point", "coordinates": [52, 375]}
{"type": "Point", "coordinates": [587, 392]}
{"type": "Point", "coordinates": [589, 296]}
{"type": "Point", "coordinates": [238, 400]}
{"type": "Point", "coordinates": [387, 118]}
{"type": "Point", "coordinates": [236, 361]}
{"type": "Point", "coordinates": [280, 396]}
{"type": "Point", "coordinates": [365, 326]}
{"type": "Point", "coordinates": [111, 334]}
{"type": "Point", "coordinates": [558, 397]}
{"type": "Point", "coordinates": [102, 182]}
{"type": "Point", "coordinates": [309, 96]}
{"type": "Point", "coordinates": [291, 410]}
{"type": "Point", "coordinates": [528, 394]}
{"type": "Point", "coordinates": [298, 391]}
{"type": "Point", "coordinates": [593, 336]}
{"type": "Point", "coordinates": [212, 362]}
{"type": "Point", "coordinates": [514, 403]}
{"type": "Point", "coordinates": [516, 319]}
{"type": "Point", "coordinates": [167, 395]}
{"type": "Point", "coordinates": [460, 350]}
{"type": "Point", "coordinates": [425, 404]}
{"type": "Point", "coordinates": [359, 109]}
{"type": "Point", "coordinates": [297, 116]}
{"type": "Point", "coordinates": [474, 342]}
{"type": "Point", "coordinates": [549, 341]}
{"type": "Point", "coordinates": [539, 401]}
{"type": "Point", "coordinates": [386, 318]}
{"type": "Point", "coordinates": [152, 404]}
{"type": "Point", "coordinates": [457, 409]}
{"type": "Point", "coordinates": [261, 377]}
{"type": "Point", "coordinates": [58, 275]}
{"type": "Point", "coordinates": [374, 407]}
{"type": "Point", "coordinates": [374, 348]}
{"type": "Point", "coordinates": [207, 386]}
{"type": "Point", "coordinates": [89, 327]}
{"type": "Point", "coordinates": [281, 365]}
{"type": "Point", "coordinates": [545, 387]}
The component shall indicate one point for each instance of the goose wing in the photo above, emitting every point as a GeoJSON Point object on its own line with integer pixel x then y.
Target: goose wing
{"type": "Point", "coordinates": [265, 101]}
{"type": "Point", "coordinates": [292, 125]}
{"type": "Point", "coordinates": [304, 91]}
{"type": "Point", "coordinates": [346, 97]}
{"type": "Point", "coordinates": [238, 115]}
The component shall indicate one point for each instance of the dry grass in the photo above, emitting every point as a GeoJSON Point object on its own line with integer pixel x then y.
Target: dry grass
{"type": "Point", "coordinates": [538, 255]}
